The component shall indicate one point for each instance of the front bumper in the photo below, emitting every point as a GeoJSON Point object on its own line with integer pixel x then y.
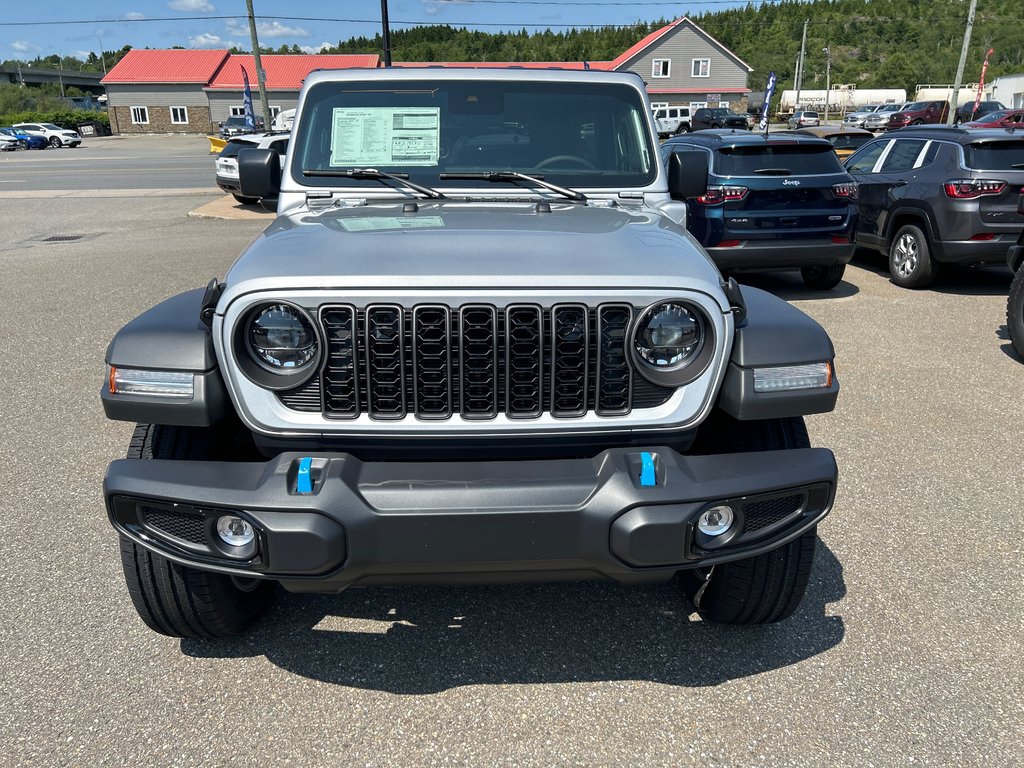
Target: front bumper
{"type": "Point", "coordinates": [400, 523]}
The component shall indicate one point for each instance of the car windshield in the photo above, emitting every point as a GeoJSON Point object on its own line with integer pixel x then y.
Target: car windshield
{"type": "Point", "coordinates": [915, 106]}
{"type": "Point", "coordinates": [52, 127]}
{"type": "Point", "coordinates": [890, 108]}
{"type": "Point", "coordinates": [847, 140]}
{"type": "Point", "coordinates": [796, 159]}
{"type": "Point", "coordinates": [993, 116]}
{"type": "Point", "coordinates": [570, 133]}
{"type": "Point", "coordinates": [809, 114]}
{"type": "Point", "coordinates": [995, 155]}
{"type": "Point", "coordinates": [235, 120]}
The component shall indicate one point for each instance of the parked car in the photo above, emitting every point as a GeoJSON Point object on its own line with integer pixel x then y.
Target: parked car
{"type": "Point", "coordinates": [879, 119]}
{"type": "Point", "coordinates": [283, 120]}
{"type": "Point", "coordinates": [9, 143]}
{"type": "Point", "coordinates": [856, 119]}
{"type": "Point", "coordinates": [936, 195]}
{"type": "Point", "coordinates": [26, 140]}
{"type": "Point", "coordinates": [504, 364]}
{"type": "Point", "coordinates": [1015, 301]}
{"type": "Point", "coordinates": [671, 120]}
{"type": "Point", "coordinates": [919, 113]}
{"type": "Point", "coordinates": [227, 160]}
{"type": "Point", "coordinates": [1004, 118]}
{"type": "Point", "coordinates": [237, 125]}
{"type": "Point", "coordinates": [773, 203]}
{"type": "Point", "coordinates": [966, 112]}
{"type": "Point", "coordinates": [803, 119]}
{"type": "Point", "coordinates": [844, 140]}
{"type": "Point", "coordinates": [716, 117]}
{"type": "Point", "coordinates": [54, 134]}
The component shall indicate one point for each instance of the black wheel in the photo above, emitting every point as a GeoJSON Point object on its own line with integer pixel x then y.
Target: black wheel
{"type": "Point", "coordinates": [174, 599]}
{"type": "Point", "coordinates": [765, 588]}
{"type": "Point", "coordinates": [1015, 312]}
{"type": "Point", "coordinates": [683, 128]}
{"type": "Point", "coordinates": [918, 122]}
{"type": "Point", "coordinates": [245, 200]}
{"type": "Point", "coordinates": [55, 142]}
{"type": "Point", "coordinates": [823, 278]}
{"type": "Point", "coordinates": [910, 258]}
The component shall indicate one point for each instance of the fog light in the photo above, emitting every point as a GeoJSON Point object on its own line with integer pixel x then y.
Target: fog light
{"type": "Point", "coordinates": [715, 521]}
{"type": "Point", "coordinates": [235, 531]}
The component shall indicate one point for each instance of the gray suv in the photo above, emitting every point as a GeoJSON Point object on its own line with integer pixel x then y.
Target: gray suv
{"type": "Point", "coordinates": [936, 195]}
{"type": "Point", "coordinates": [477, 344]}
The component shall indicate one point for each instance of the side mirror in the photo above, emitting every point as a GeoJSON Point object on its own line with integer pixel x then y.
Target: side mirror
{"type": "Point", "coordinates": [687, 174]}
{"type": "Point", "coordinates": [259, 172]}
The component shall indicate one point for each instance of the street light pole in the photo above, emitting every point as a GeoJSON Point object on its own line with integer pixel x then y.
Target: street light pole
{"type": "Point", "coordinates": [60, 73]}
{"type": "Point", "coordinates": [828, 77]}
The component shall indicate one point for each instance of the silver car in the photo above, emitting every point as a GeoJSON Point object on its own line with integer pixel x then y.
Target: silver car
{"type": "Point", "coordinates": [879, 119]}
{"type": "Point", "coordinates": [804, 119]}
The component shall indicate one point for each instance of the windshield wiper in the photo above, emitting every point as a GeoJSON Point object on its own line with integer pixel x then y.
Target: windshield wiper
{"type": "Point", "coordinates": [373, 173]}
{"type": "Point", "coordinates": [572, 194]}
{"type": "Point", "coordinates": [774, 171]}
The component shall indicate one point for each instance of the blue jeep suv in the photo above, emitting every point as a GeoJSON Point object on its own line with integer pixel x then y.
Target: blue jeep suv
{"type": "Point", "coordinates": [772, 203]}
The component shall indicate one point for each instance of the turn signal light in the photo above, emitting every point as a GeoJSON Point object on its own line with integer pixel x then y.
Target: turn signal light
{"type": "Point", "coordinates": [793, 377]}
{"type": "Point", "coordinates": [135, 381]}
{"type": "Point", "coordinates": [968, 189]}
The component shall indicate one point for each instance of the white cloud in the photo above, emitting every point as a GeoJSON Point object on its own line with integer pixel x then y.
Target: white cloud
{"type": "Point", "coordinates": [315, 48]}
{"type": "Point", "coordinates": [266, 29]}
{"type": "Point", "coordinates": [134, 16]}
{"type": "Point", "coordinates": [80, 55]}
{"type": "Point", "coordinates": [24, 46]}
{"type": "Point", "coordinates": [207, 40]}
{"type": "Point", "coordinates": [193, 6]}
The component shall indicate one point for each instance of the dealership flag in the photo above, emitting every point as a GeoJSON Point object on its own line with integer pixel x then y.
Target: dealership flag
{"type": "Point", "coordinates": [768, 93]}
{"type": "Point", "coordinates": [250, 116]}
{"type": "Point", "coordinates": [981, 83]}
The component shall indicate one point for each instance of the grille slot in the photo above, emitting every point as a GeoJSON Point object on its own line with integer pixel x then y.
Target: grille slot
{"type": "Point", "coordinates": [434, 361]}
{"type": "Point", "coordinates": [761, 514]}
{"type": "Point", "coordinates": [191, 528]}
{"type": "Point", "coordinates": [570, 334]}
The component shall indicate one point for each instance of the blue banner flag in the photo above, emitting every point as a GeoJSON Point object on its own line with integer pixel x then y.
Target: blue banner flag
{"type": "Point", "coordinates": [250, 116]}
{"type": "Point", "coordinates": [768, 93]}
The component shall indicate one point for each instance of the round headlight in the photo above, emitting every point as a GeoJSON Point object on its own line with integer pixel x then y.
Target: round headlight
{"type": "Point", "coordinates": [282, 338]}
{"type": "Point", "coordinates": [668, 335]}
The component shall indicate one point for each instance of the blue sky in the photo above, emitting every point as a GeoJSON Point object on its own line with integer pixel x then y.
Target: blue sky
{"type": "Point", "coordinates": [363, 18]}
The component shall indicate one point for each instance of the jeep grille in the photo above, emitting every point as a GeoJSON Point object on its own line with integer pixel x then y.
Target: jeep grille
{"type": "Point", "coordinates": [475, 361]}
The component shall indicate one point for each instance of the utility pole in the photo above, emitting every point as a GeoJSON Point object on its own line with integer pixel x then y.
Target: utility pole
{"type": "Point", "coordinates": [828, 77]}
{"type": "Point", "coordinates": [385, 32]}
{"type": "Point", "coordinates": [800, 66]}
{"type": "Point", "coordinates": [60, 74]}
{"type": "Point", "coordinates": [261, 78]}
{"type": "Point", "coordinates": [963, 62]}
{"type": "Point", "coordinates": [103, 56]}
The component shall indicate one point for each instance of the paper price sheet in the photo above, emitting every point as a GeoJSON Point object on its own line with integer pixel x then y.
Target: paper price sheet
{"type": "Point", "coordinates": [363, 137]}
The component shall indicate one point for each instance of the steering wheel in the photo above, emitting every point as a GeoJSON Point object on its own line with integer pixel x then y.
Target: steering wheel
{"type": "Point", "coordinates": [566, 158]}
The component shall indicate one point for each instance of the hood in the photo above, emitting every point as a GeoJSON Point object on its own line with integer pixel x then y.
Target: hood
{"type": "Point", "coordinates": [447, 244]}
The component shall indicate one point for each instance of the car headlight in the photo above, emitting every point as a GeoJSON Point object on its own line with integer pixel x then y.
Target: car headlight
{"type": "Point", "coordinates": [277, 345]}
{"type": "Point", "coordinates": [670, 343]}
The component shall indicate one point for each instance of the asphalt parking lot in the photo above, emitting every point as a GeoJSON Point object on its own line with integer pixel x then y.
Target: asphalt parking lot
{"type": "Point", "coordinates": [906, 651]}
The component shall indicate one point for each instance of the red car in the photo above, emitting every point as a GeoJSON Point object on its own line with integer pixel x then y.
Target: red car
{"type": "Point", "coordinates": [1004, 118]}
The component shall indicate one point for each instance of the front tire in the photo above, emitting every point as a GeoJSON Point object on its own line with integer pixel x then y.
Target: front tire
{"type": "Point", "coordinates": [823, 278]}
{"type": "Point", "coordinates": [910, 259]}
{"type": "Point", "coordinates": [765, 588]}
{"type": "Point", "coordinates": [55, 142]}
{"type": "Point", "coordinates": [1015, 312]}
{"type": "Point", "coordinates": [177, 600]}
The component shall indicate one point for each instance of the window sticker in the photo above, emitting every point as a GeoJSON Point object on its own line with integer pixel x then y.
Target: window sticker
{"type": "Point", "coordinates": [364, 137]}
{"type": "Point", "coordinates": [377, 223]}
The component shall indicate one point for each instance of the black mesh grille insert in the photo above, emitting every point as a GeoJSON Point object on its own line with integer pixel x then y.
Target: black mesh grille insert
{"type": "Point", "coordinates": [524, 330]}
{"type": "Point", "coordinates": [478, 361]}
{"type": "Point", "coordinates": [432, 362]}
{"type": "Point", "coordinates": [385, 362]}
{"type": "Point", "coordinates": [569, 337]}
{"type": "Point", "coordinates": [191, 528]}
{"type": "Point", "coordinates": [340, 377]}
{"type": "Point", "coordinates": [761, 514]}
{"type": "Point", "coordinates": [614, 378]}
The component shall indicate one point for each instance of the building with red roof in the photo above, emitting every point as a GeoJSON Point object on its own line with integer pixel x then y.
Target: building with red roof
{"type": "Point", "coordinates": [191, 91]}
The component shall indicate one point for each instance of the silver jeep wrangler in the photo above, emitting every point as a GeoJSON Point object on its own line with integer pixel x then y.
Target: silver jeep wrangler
{"type": "Point", "coordinates": [477, 344]}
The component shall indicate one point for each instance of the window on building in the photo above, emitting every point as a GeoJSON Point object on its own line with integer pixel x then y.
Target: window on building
{"type": "Point", "coordinates": [237, 111]}
{"type": "Point", "coordinates": [701, 68]}
{"type": "Point", "coordinates": [661, 68]}
{"type": "Point", "coordinates": [140, 115]}
{"type": "Point", "coordinates": [179, 115]}
{"type": "Point", "coordinates": [695, 105]}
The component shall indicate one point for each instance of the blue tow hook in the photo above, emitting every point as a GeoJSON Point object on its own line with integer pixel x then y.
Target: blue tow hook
{"type": "Point", "coordinates": [304, 480]}
{"type": "Point", "coordinates": [648, 475]}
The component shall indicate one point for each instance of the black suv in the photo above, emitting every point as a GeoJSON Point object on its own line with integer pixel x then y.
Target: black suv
{"type": "Point", "coordinates": [716, 117]}
{"type": "Point", "coordinates": [966, 112]}
{"type": "Point", "coordinates": [939, 194]}
{"type": "Point", "coordinates": [772, 203]}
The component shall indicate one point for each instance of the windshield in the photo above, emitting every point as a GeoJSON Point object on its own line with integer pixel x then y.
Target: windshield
{"type": "Point", "coordinates": [236, 120]}
{"type": "Point", "coordinates": [52, 127]}
{"type": "Point", "coordinates": [993, 116]}
{"type": "Point", "coordinates": [915, 106]}
{"type": "Point", "coordinates": [847, 140]}
{"type": "Point", "coordinates": [570, 133]}
{"type": "Point", "coordinates": [796, 159]}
